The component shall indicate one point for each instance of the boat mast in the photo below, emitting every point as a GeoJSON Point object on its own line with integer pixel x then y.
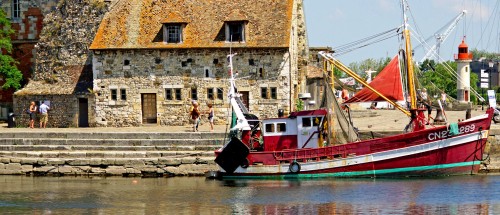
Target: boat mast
{"type": "Point", "coordinates": [241, 122]}
{"type": "Point", "coordinates": [409, 60]}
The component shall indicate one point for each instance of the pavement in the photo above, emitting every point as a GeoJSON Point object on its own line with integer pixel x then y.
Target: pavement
{"type": "Point", "coordinates": [366, 120]}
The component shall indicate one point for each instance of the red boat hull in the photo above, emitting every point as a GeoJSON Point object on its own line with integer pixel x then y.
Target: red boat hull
{"type": "Point", "coordinates": [430, 152]}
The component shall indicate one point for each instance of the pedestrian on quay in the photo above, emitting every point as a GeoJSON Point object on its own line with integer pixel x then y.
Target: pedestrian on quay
{"type": "Point", "coordinates": [32, 111]}
{"type": "Point", "coordinates": [194, 113]}
{"type": "Point", "coordinates": [211, 116]}
{"type": "Point", "coordinates": [443, 99]}
{"type": "Point", "coordinates": [44, 111]}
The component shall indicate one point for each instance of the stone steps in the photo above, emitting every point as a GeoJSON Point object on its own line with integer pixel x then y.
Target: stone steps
{"type": "Point", "coordinates": [108, 153]}
{"type": "Point", "coordinates": [112, 135]}
{"type": "Point", "coordinates": [107, 148]}
{"type": "Point", "coordinates": [103, 154]}
{"type": "Point", "coordinates": [110, 142]}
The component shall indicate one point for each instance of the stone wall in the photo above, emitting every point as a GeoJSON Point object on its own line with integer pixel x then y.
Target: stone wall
{"type": "Point", "coordinates": [63, 110]}
{"type": "Point", "coordinates": [63, 72]}
{"type": "Point", "coordinates": [146, 167]}
{"type": "Point", "coordinates": [137, 72]}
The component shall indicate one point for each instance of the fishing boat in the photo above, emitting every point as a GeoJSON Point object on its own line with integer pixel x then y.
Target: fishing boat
{"type": "Point", "coordinates": [323, 142]}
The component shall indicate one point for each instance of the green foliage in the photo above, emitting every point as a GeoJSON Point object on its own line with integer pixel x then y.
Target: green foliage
{"type": "Point", "coordinates": [369, 64]}
{"type": "Point", "coordinates": [8, 69]}
{"type": "Point", "coordinates": [439, 79]}
{"type": "Point", "coordinates": [484, 54]}
{"type": "Point", "coordinates": [299, 105]}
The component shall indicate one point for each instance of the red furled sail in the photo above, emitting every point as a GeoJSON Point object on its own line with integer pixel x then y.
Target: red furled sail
{"type": "Point", "coordinates": [387, 82]}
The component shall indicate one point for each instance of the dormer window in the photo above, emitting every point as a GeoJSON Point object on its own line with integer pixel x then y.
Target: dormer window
{"type": "Point", "coordinates": [172, 33]}
{"type": "Point", "coordinates": [235, 31]}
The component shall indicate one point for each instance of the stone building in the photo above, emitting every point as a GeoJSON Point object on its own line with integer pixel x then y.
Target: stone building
{"type": "Point", "coordinates": [152, 58]}
{"type": "Point", "coordinates": [26, 17]}
{"type": "Point", "coordinates": [62, 70]}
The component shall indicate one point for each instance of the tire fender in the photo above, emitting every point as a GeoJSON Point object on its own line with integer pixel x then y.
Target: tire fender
{"type": "Point", "coordinates": [294, 167]}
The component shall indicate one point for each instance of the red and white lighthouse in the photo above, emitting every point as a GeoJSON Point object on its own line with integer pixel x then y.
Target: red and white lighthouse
{"type": "Point", "coordinates": [463, 59]}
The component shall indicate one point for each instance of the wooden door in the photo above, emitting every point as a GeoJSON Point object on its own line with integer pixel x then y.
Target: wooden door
{"type": "Point", "coordinates": [148, 108]}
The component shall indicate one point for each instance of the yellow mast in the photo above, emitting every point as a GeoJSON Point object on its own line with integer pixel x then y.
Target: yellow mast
{"type": "Point", "coordinates": [409, 62]}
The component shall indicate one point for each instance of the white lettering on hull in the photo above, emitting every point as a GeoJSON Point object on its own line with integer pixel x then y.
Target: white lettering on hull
{"type": "Point", "coordinates": [445, 134]}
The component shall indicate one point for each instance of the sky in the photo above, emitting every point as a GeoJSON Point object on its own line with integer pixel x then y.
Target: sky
{"type": "Point", "coordinates": [334, 23]}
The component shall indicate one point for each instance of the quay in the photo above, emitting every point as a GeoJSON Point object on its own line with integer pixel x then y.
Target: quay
{"type": "Point", "coordinates": [157, 151]}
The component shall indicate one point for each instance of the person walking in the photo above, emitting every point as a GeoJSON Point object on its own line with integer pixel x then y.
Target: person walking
{"type": "Point", "coordinates": [211, 116]}
{"type": "Point", "coordinates": [443, 99]}
{"type": "Point", "coordinates": [32, 111]}
{"type": "Point", "coordinates": [44, 115]}
{"type": "Point", "coordinates": [195, 115]}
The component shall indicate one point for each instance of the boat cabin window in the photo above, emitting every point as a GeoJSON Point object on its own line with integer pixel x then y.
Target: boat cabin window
{"type": "Point", "coordinates": [316, 121]}
{"type": "Point", "coordinates": [275, 127]}
{"type": "Point", "coordinates": [269, 128]}
{"type": "Point", "coordinates": [281, 127]}
{"type": "Point", "coordinates": [311, 121]}
{"type": "Point", "coordinates": [306, 122]}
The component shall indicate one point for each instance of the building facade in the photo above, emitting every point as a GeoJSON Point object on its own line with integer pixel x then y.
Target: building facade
{"type": "Point", "coordinates": [26, 19]}
{"type": "Point", "coordinates": [152, 58]}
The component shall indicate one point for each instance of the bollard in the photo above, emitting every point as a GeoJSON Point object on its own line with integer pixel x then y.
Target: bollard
{"type": "Point", "coordinates": [468, 113]}
{"type": "Point", "coordinates": [439, 119]}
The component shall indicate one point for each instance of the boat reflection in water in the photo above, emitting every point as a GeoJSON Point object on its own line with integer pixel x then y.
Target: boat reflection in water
{"type": "Point", "coordinates": [115, 195]}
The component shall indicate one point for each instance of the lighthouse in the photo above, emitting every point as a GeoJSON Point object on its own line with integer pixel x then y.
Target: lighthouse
{"type": "Point", "coordinates": [463, 59]}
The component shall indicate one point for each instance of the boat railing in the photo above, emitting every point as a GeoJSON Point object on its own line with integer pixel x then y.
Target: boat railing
{"type": "Point", "coordinates": [311, 154]}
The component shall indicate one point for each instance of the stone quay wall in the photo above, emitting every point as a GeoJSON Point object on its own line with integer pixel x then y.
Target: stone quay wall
{"type": "Point", "coordinates": [154, 167]}
{"type": "Point", "coordinates": [122, 77]}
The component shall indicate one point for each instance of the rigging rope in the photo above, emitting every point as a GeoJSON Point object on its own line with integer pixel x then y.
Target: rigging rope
{"type": "Point", "coordinates": [346, 48]}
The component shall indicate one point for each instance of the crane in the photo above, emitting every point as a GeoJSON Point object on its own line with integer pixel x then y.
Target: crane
{"type": "Point", "coordinates": [434, 50]}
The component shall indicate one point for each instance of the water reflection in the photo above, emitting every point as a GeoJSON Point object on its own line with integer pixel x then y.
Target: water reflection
{"type": "Point", "coordinates": [115, 195]}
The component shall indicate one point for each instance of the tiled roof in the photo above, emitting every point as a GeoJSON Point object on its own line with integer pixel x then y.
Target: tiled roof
{"type": "Point", "coordinates": [79, 81]}
{"type": "Point", "coordinates": [134, 24]}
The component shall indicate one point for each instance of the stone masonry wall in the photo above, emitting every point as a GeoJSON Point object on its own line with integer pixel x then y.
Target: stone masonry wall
{"type": "Point", "coordinates": [153, 71]}
{"type": "Point", "coordinates": [63, 110]}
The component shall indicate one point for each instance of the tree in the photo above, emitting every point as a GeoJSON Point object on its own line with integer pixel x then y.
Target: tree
{"type": "Point", "coordinates": [369, 64]}
{"type": "Point", "coordinates": [488, 55]}
{"type": "Point", "coordinates": [436, 78]}
{"type": "Point", "coordinates": [8, 66]}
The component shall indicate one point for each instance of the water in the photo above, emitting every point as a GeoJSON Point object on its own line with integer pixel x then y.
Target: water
{"type": "Point", "coordinates": [181, 195]}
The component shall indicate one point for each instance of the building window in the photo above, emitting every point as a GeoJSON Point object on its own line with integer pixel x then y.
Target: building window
{"type": "Point", "coordinates": [235, 31]}
{"type": "Point", "coordinates": [194, 94]}
{"type": "Point", "coordinates": [178, 94]}
{"type": "Point", "coordinates": [220, 93]}
{"type": "Point", "coordinates": [263, 92]}
{"type": "Point", "coordinates": [261, 73]}
{"type": "Point", "coordinates": [172, 33]}
{"type": "Point", "coordinates": [123, 94]}
{"type": "Point", "coordinates": [173, 94]}
{"type": "Point", "coordinates": [168, 94]}
{"type": "Point", "coordinates": [126, 62]}
{"type": "Point", "coordinates": [114, 94]}
{"type": "Point", "coordinates": [274, 93]}
{"type": "Point", "coordinates": [210, 93]}
{"type": "Point", "coordinates": [16, 9]}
